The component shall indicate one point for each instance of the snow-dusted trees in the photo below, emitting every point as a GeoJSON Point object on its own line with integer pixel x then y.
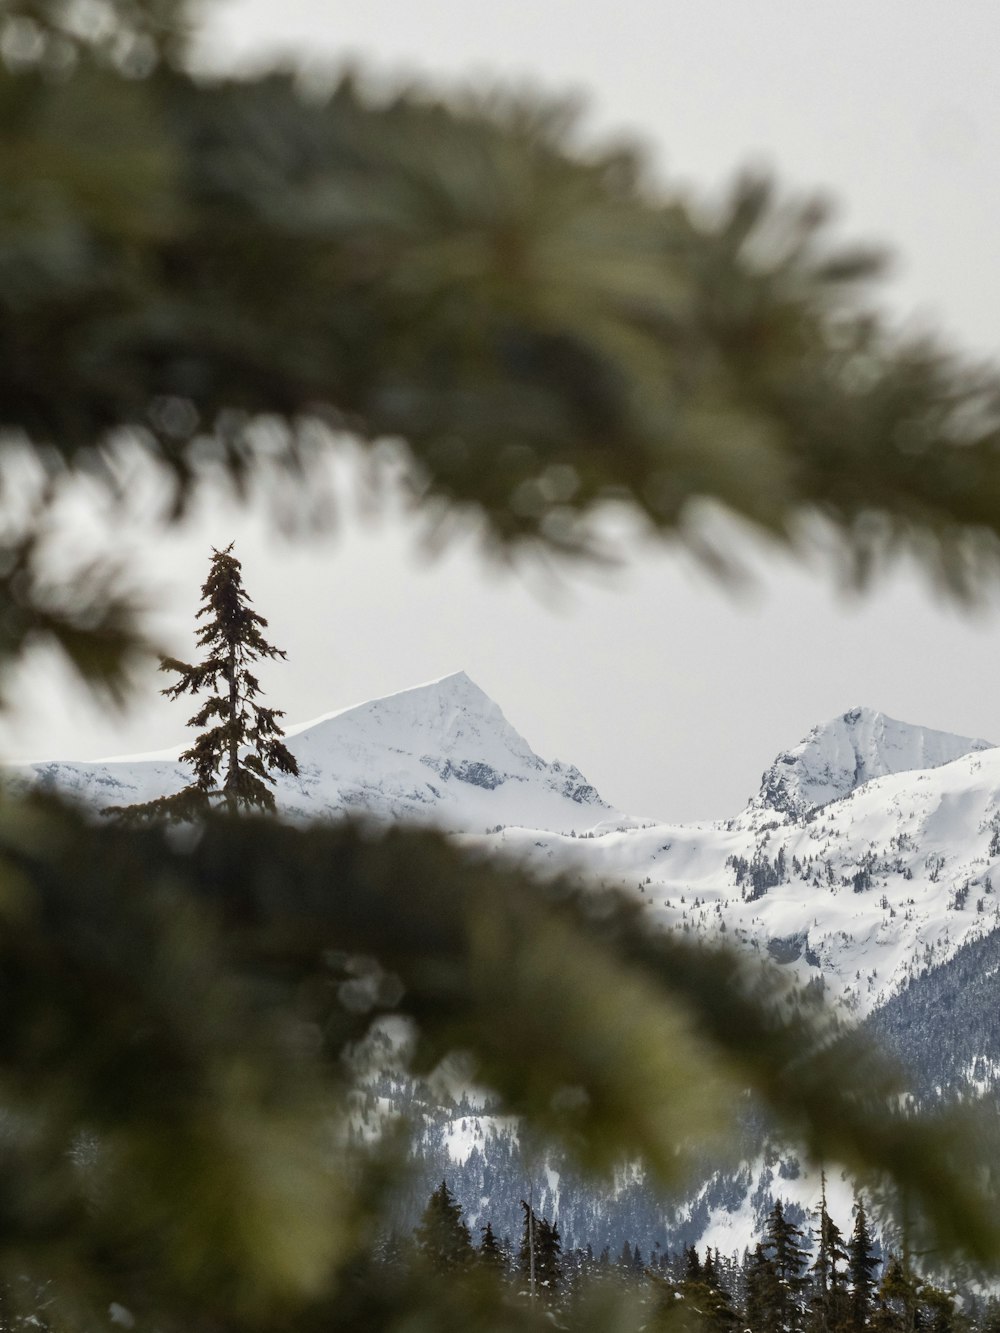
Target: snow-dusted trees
{"type": "Point", "coordinates": [784, 1294]}
{"type": "Point", "coordinates": [829, 1302]}
{"type": "Point", "coordinates": [491, 1254]}
{"type": "Point", "coordinates": [442, 1237]}
{"type": "Point", "coordinates": [540, 1255]}
{"type": "Point", "coordinates": [863, 1268]}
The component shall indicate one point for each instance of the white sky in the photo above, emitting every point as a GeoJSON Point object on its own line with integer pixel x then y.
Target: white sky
{"type": "Point", "coordinates": [669, 693]}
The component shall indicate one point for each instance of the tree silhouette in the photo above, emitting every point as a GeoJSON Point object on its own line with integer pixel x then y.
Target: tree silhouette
{"type": "Point", "coordinates": [862, 1266]}
{"type": "Point", "coordinates": [239, 738]}
{"type": "Point", "coordinates": [442, 1236]}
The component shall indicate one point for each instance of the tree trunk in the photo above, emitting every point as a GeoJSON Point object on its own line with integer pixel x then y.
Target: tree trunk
{"type": "Point", "coordinates": [230, 788]}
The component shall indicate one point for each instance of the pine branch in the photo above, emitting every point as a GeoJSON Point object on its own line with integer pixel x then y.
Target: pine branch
{"type": "Point", "coordinates": [603, 1032]}
{"type": "Point", "coordinates": [605, 339]}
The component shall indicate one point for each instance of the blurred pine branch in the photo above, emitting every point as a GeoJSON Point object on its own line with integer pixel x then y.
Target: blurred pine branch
{"type": "Point", "coordinates": [208, 268]}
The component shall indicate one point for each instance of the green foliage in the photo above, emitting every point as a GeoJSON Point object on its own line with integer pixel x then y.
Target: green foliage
{"type": "Point", "coordinates": [177, 1012]}
{"type": "Point", "coordinates": [217, 272]}
{"type": "Point", "coordinates": [130, 35]}
{"type": "Point", "coordinates": [908, 1303]}
{"type": "Point", "coordinates": [442, 1238]}
{"type": "Point", "coordinates": [211, 268]}
{"type": "Point", "coordinates": [704, 1297]}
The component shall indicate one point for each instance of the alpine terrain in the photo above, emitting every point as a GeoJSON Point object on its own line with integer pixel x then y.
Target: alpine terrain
{"type": "Point", "coordinates": [441, 753]}
{"type": "Point", "coordinates": [867, 864]}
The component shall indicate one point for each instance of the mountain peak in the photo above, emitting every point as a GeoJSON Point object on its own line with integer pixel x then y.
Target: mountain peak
{"type": "Point", "coordinates": [842, 754]}
{"type": "Point", "coordinates": [449, 716]}
{"type": "Point", "coordinates": [440, 753]}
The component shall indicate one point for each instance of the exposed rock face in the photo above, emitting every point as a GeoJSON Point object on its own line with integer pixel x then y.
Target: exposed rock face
{"type": "Point", "coordinates": [839, 756]}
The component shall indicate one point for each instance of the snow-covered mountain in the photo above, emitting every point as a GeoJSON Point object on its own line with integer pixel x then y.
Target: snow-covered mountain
{"type": "Point", "coordinates": [839, 756]}
{"type": "Point", "coordinates": [869, 858]}
{"type": "Point", "coordinates": [441, 753]}
{"type": "Point", "coordinates": [869, 853]}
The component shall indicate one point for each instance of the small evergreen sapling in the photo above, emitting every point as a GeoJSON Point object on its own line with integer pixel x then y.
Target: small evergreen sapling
{"type": "Point", "coordinates": [240, 738]}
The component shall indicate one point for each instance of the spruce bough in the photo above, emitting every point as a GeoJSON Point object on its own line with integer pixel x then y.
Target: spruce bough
{"type": "Point", "coordinates": [174, 277]}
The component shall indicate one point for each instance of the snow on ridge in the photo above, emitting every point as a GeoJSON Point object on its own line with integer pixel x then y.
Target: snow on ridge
{"type": "Point", "coordinates": [842, 754]}
{"type": "Point", "coordinates": [876, 854]}
{"type": "Point", "coordinates": [441, 753]}
{"type": "Point", "coordinates": [862, 896]}
{"type": "Point", "coordinates": [452, 714]}
{"type": "Point", "coordinates": [456, 685]}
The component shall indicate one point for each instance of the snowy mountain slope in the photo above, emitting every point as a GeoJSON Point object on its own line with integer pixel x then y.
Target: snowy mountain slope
{"type": "Point", "coordinates": [944, 1029]}
{"type": "Point", "coordinates": [868, 854]}
{"type": "Point", "coordinates": [841, 755]}
{"type": "Point", "coordinates": [441, 753]}
{"type": "Point", "coordinates": [867, 859]}
{"type": "Point", "coordinates": [866, 891]}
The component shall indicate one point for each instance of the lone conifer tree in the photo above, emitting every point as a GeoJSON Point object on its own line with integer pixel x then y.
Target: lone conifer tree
{"type": "Point", "coordinates": [863, 1266]}
{"type": "Point", "coordinates": [442, 1236]}
{"type": "Point", "coordinates": [240, 737]}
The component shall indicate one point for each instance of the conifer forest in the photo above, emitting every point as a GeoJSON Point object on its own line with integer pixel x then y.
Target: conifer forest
{"type": "Point", "coordinates": [843, 1281]}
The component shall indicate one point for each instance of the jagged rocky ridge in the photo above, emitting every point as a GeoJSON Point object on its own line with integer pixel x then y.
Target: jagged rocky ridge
{"type": "Point", "coordinates": [867, 863]}
{"type": "Point", "coordinates": [839, 756]}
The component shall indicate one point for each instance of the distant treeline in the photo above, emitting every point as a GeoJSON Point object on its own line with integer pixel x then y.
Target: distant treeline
{"type": "Point", "coordinates": [839, 1284]}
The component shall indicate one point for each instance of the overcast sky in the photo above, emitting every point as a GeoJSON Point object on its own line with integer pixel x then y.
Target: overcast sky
{"type": "Point", "coordinates": [669, 693]}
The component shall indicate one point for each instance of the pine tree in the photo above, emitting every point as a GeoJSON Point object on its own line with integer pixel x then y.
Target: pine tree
{"type": "Point", "coordinates": [442, 1237]}
{"type": "Point", "coordinates": [899, 1297]}
{"type": "Point", "coordinates": [692, 1265]}
{"type": "Point", "coordinates": [908, 1304]}
{"type": "Point", "coordinates": [829, 1302]}
{"type": "Point", "coordinates": [240, 738]}
{"type": "Point", "coordinates": [862, 1266]}
{"type": "Point", "coordinates": [153, 330]}
{"type": "Point", "coordinates": [761, 1291]}
{"type": "Point", "coordinates": [549, 1264]}
{"type": "Point", "coordinates": [703, 1293]}
{"type": "Point", "coordinates": [938, 1313]}
{"type": "Point", "coordinates": [788, 1258]}
{"type": "Point", "coordinates": [490, 1253]}
{"type": "Point", "coordinates": [547, 1248]}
